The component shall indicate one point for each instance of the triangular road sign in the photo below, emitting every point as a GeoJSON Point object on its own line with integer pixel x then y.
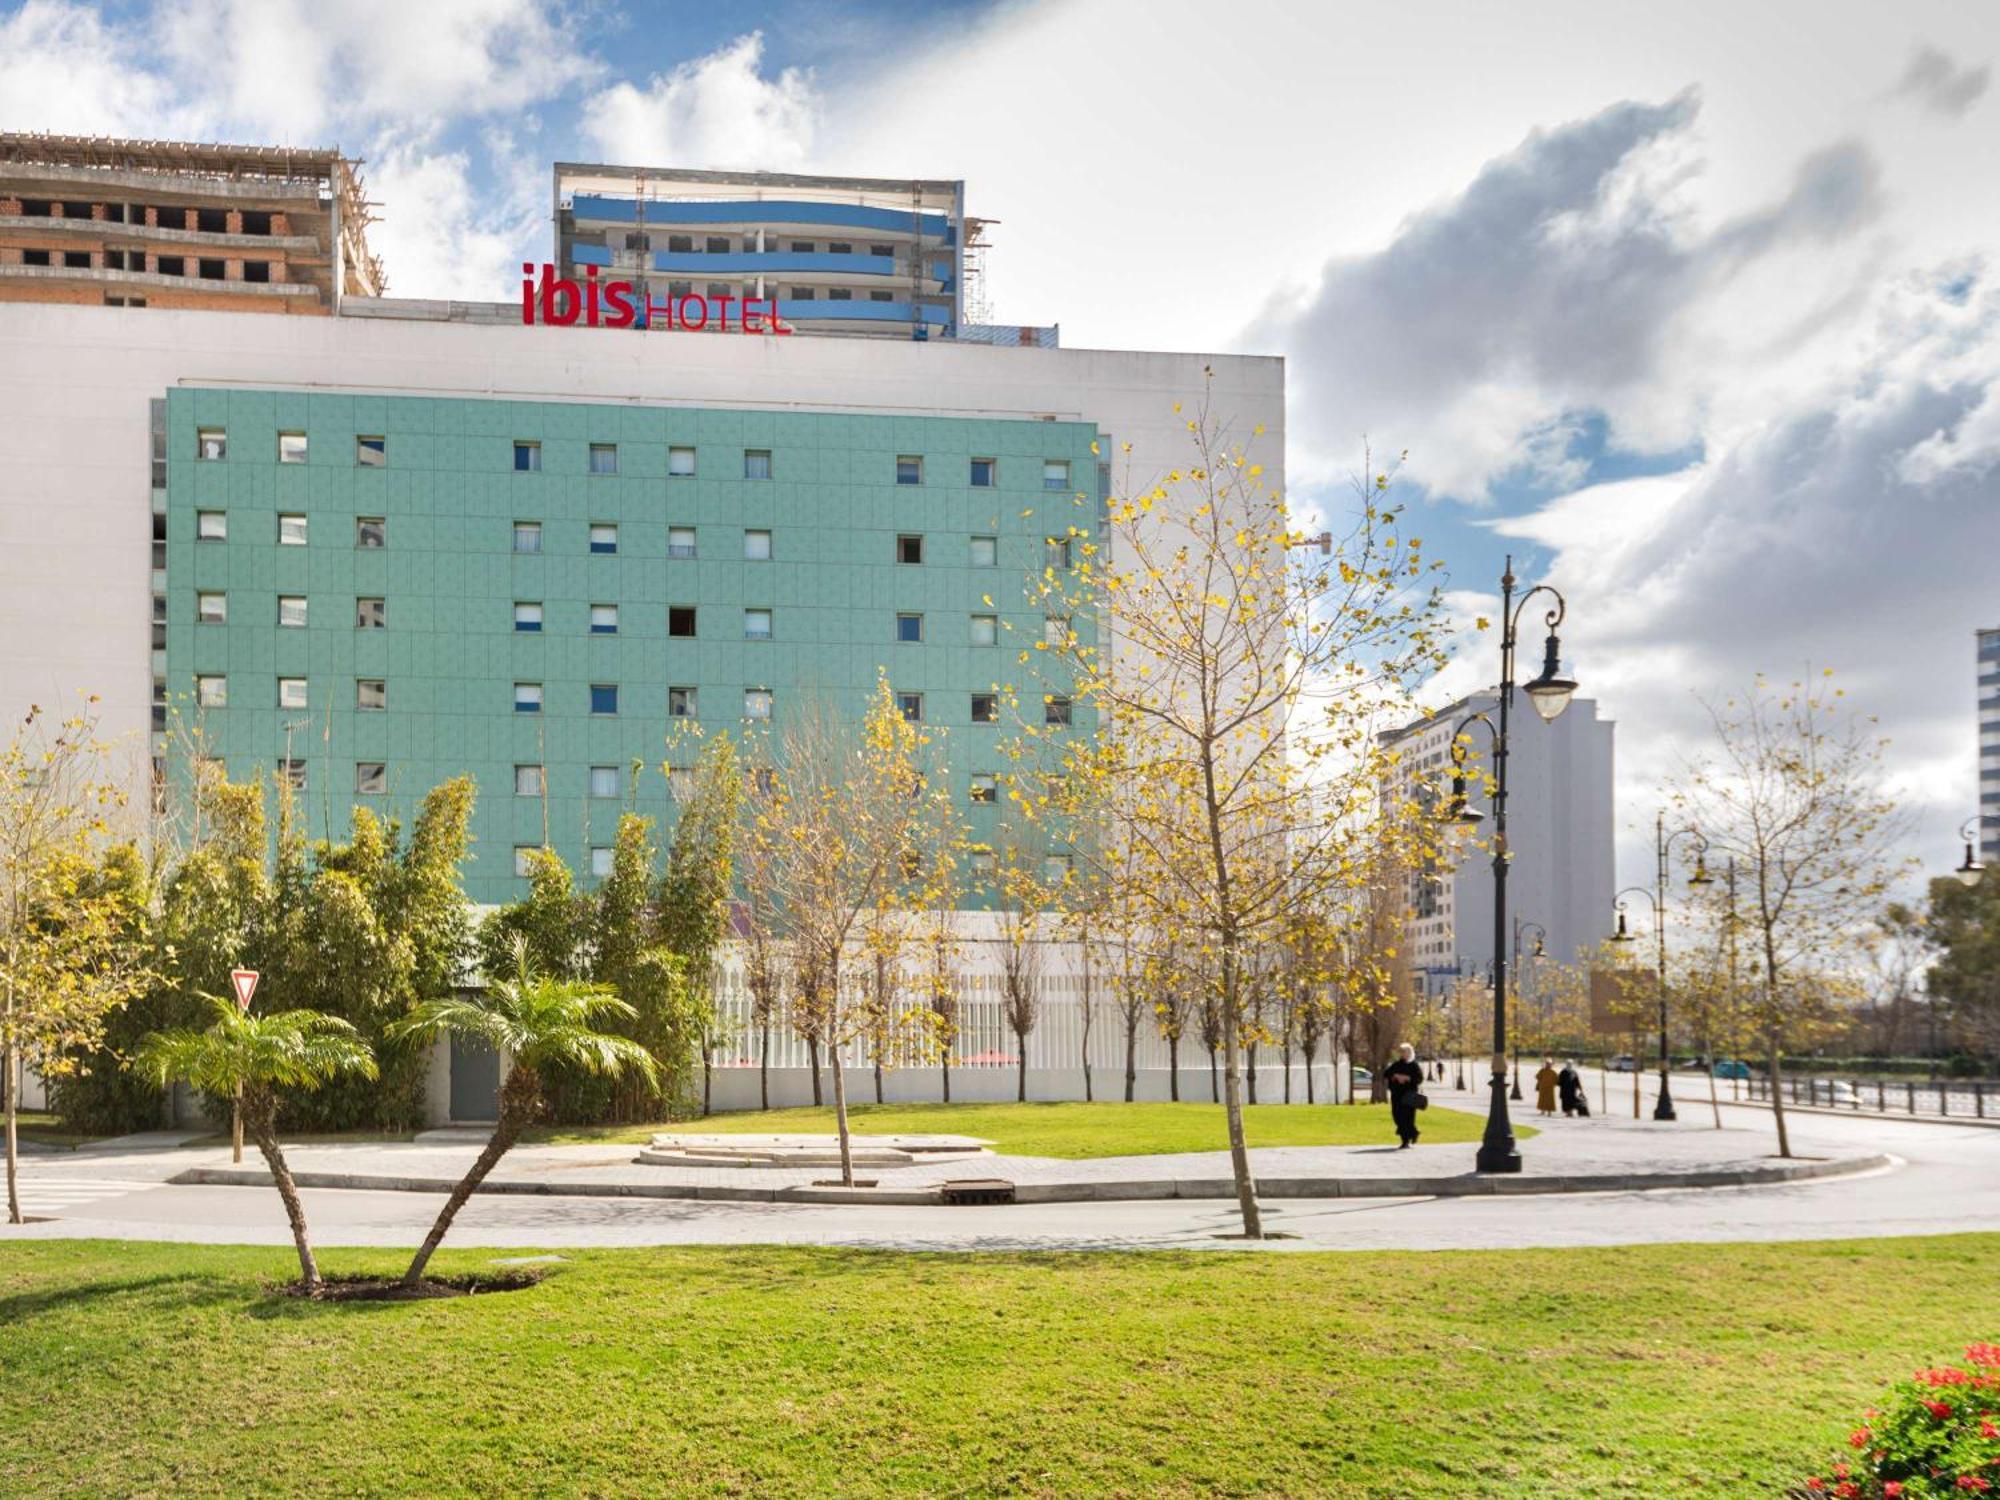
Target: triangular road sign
{"type": "Point", "coordinates": [245, 981]}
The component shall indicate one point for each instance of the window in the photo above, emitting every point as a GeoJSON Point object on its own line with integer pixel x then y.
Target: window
{"type": "Point", "coordinates": [881, 296]}
{"type": "Point", "coordinates": [909, 469]}
{"type": "Point", "coordinates": [165, 265]}
{"type": "Point", "coordinates": [756, 463]}
{"type": "Point", "coordinates": [680, 620]}
{"type": "Point", "coordinates": [527, 618]}
{"type": "Point", "coordinates": [371, 532]}
{"type": "Point", "coordinates": [527, 536]}
{"type": "Point", "coordinates": [839, 294]}
{"type": "Point", "coordinates": [985, 787]}
{"type": "Point", "coordinates": [291, 531]}
{"type": "Point", "coordinates": [680, 541]}
{"type": "Point", "coordinates": [604, 458]}
{"type": "Point", "coordinates": [211, 526]}
{"type": "Point", "coordinates": [211, 609]}
{"type": "Point", "coordinates": [982, 864]}
{"type": "Point", "coordinates": [718, 244]}
{"type": "Point", "coordinates": [1055, 474]}
{"type": "Point", "coordinates": [294, 772]}
{"type": "Point", "coordinates": [527, 781]}
{"type": "Point", "coordinates": [986, 708]}
{"type": "Point", "coordinates": [604, 781]}
{"type": "Point", "coordinates": [371, 614]}
{"type": "Point", "coordinates": [291, 447]}
{"type": "Point", "coordinates": [1057, 548]}
{"type": "Point", "coordinates": [256, 270]}
{"type": "Point", "coordinates": [1055, 868]}
{"type": "Point", "coordinates": [371, 452]}
{"type": "Point", "coordinates": [985, 630]}
{"type": "Point", "coordinates": [371, 778]}
{"type": "Point", "coordinates": [680, 244]}
{"type": "Point", "coordinates": [600, 860]}
{"type": "Point", "coordinates": [604, 619]}
{"type": "Point", "coordinates": [604, 697]}
{"type": "Point", "coordinates": [756, 546]}
{"type": "Point", "coordinates": [909, 627]}
{"type": "Point", "coordinates": [756, 703]}
{"type": "Point", "coordinates": [681, 703]}
{"type": "Point", "coordinates": [803, 247]}
{"type": "Point", "coordinates": [603, 538]}
{"type": "Point", "coordinates": [527, 458]}
{"type": "Point", "coordinates": [1055, 710]}
{"type": "Point", "coordinates": [756, 624]}
{"type": "Point", "coordinates": [680, 463]}
{"type": "Point", "coordinates": [211, 444]}
{"type": "Point", "coordinates": [911, 706]}
{"type": "Point", "coordinates": [909, 549]}
{"type": "Point", "coordinates": [1055, 630]}
{"type": "Point", "coordinates": [527, 697]}
{"type": "Point", "coordinates": [681, 783]}
{"type": "Point", "coordinates": [41, 258]}
{"type": "Point", "coordinates": [985, 551]}
{"type": "Point", "coordinates": [292, 611]}
{"type": "Point", "coordinates": [524, 860]}
{"type": "Point", "coordinates": [291, 692]}
{"type": "Point", "coordinates": [982, 473]}
{"type": "Point", "coordinates": [371, 694]}
{"type": "Point", "coordinates": [882, 250]}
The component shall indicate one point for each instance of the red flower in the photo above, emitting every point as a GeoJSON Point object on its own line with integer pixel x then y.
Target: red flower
{"type": "Point", "coordinates": [1858, 1438]}
{"type": "Point", "coordinates": [1815, 1483]}
{"type": "Point", "coordinates": [1988, 1430]}
{"type": "Point", "coordinates": [1983, 1354]}
{"type": "Point", "coordinates": [1892, 1489]}
{"type": "Point", "coordinates": [1938, 1409]}
{"type": "Point", "coordinates": [1846, 1489]}
{"type": "Point", "coordinates": [1972, 1482]}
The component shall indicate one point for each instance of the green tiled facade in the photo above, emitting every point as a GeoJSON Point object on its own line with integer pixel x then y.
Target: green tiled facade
{"type": "Point", "coordinates": [449, 496]}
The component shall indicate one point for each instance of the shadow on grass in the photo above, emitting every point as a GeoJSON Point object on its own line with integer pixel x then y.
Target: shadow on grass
{"type": "Point", "coordinates": [21, 1306]}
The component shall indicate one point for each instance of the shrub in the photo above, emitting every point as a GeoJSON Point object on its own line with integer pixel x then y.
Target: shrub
{"type": "Point", "coordinates": [1937, 1434]}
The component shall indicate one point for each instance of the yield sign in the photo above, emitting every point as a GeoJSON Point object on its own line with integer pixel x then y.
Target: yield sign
{"type": "Point", "coordinates": [245, 981]}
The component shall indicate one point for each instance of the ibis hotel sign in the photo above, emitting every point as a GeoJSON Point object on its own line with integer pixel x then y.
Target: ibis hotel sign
{"type": "Point", "coordinates": [565, 302]}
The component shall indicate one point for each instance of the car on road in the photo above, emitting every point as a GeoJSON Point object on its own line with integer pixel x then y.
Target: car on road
{"type": "Point", "coordinates": [1361, 1078]}
{"type": "Point", "coordinates": [1624, 1064]}
{"type": "Point", "coordinates": [1729, 1067]}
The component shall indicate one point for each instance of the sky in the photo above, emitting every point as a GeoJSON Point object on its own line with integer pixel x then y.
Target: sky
{"type": "Point", "coordinates": [1693, 309]}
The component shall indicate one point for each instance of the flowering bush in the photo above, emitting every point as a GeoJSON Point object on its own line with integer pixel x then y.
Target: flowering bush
{"type": "Point", "coordinates": [1937, 1435]}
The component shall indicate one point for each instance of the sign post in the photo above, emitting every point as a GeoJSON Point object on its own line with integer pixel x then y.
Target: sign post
{"type": "Point", "coordinates": [245, 983]}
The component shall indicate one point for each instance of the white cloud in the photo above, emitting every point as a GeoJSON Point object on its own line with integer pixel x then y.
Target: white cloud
{"type": "Point", "coordinates": [62, 70]}
{"type": "Point", "coordinates": [1939, 84]}
{"type": "Point", "coordinates": [716, 111]}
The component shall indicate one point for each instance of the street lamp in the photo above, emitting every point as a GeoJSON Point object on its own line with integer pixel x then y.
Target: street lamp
{"type": "Point", "coordinates": [1663, 1108]}
{"type": "Point", "coordinates": [1521, 925]}
{"type": "Point", "coordinates": [1549, 692]}
{"type": "Point", "coordinates": [1971, 869]}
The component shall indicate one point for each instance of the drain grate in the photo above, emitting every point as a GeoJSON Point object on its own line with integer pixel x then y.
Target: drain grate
{"type": "Point", "coordinates": [977, 1190]}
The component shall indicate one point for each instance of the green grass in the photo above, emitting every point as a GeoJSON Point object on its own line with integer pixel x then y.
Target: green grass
{"type": "Point", "coordinates": [1719, 1370]}
{"type": "Point", "coordinates": [46, 1130]}
{"type": "Point", "coordinates": [1074, 1131]}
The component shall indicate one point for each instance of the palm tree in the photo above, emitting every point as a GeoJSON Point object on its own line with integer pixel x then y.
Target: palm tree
{"type": "Point", "coordinates": [534, 1021]}
{"type": "Point", "coordinates": [250, 1058]}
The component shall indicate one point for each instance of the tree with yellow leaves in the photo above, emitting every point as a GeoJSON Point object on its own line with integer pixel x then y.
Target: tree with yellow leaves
{"type": "Point", "coordinates": [850, 812]}
{"type": "Point", "coordinates": [1236, 669]}
{"type": "Point", "coordinates": [68, 909]}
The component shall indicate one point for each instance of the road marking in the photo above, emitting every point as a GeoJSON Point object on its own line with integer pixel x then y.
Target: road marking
{"type": "Point", "coordinates": [51, 1195]}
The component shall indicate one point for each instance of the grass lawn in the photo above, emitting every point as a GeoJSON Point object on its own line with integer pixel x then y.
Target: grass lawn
{"type": "Point", "coordinates": [1721, 1370]}
{"type": "Point", "coordinates": [46, 1130]}
{"type": "Point", "coordinates": [1074, 1131]}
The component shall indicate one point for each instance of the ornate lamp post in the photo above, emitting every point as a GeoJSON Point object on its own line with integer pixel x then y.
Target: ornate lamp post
{"type": "Point", "coordinates": [1970, 869]}
{"type": "Point", "coordinates": [1663, 1108]}
{"type": "Point", "coordinates": [1549, 692]}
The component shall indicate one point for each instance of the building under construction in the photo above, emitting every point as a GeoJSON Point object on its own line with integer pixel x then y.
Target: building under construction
{"type": "Point", "coordinates": [860, 257]}
{"type": "Point", "coordinates": [118, 223]}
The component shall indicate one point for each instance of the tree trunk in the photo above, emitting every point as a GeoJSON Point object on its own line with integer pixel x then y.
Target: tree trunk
{"type": "Point", "coordinates": [1714, 1104]}
{"type": "Point", "coordinates": [840, 1113]}
{"type": "Point", "coordinates": [1778, 1099]}
{"type": "Point", "coordinates": [1250, 1058]}
{"type": "Point", "coordinates": [945, 1068]}
{"type": "Point", "coordinates": [1239, 1152]}
{"type": "Point", "coordinates": [1088, 1097]}
{"type": "Point", "coordinates": [1285, 1059]}
{"type": "Point", "coordinates": [519, 1097]}
{"type": "Point", "coordinates": [263, 1111]}
{"type": "Point", "coordinates": [236, 1127]}
{"type": "Point", "coordinates": [764, 1069]}
{"type": "Point", "coordinates": [1214, 1085]}
{"type": "Point", "coordinates": [707, 1076]}
{"type": "Point", "coordinates": [812, 1066]}
{"type": "Point", "coordinates": [1131, 1053]}
{"type": "Point", "coordinates": [1308, 1052]}
{"type": "Point", "coordinates": [1174, 1068]}
{"type": "Point", "coordinates": [12, 1084]}
{"type": "Point", "coordinates": [1021, 1088]}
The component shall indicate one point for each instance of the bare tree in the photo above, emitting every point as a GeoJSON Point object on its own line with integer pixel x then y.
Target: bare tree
{"type": "Point", "coordinates": [1792, 788]}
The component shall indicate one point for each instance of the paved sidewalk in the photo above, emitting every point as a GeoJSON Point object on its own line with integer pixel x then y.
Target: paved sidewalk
{"type": "Point", "coordinates": [1567, 1156]}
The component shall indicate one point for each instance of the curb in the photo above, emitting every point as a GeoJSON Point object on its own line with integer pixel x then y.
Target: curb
{"type": "Point", "coordinates": [1193, 1188]}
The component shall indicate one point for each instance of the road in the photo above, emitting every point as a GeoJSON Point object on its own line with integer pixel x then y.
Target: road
{"type": "Point", "coordinates": [1947, 1179]}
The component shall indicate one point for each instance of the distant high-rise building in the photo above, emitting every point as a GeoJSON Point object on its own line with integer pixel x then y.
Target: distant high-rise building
{"type": "Point", "coordinates": [101, 222]}
{"type": "Point", "coordinates": [860, 257]}
{"type": "Point", "coordinates": [1989, 744]}
{"type": "Point", "coordinates": [1559, 828]}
